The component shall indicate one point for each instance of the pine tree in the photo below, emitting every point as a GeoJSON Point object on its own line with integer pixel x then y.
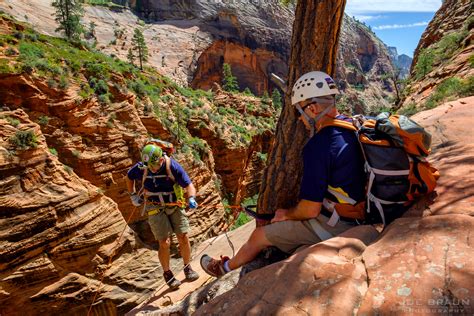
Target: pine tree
{"type": "Point", "coordinates": [276, 99]}
{"type": "Point", "coordinates": [130, 56]}
{"type": "Point", "coordinates": [139, 45]}
{"type": "Point", "coordinates": [68, 16]}
{"type": "Point", "coordinates": [265, 97]}
{"type": "Point", "coordinates": [229, 82]}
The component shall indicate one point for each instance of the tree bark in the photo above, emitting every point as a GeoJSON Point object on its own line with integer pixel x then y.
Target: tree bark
{"type": "Point", "coordinates": [314, 46]}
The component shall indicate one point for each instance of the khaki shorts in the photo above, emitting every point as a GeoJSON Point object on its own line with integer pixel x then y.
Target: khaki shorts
{"type": "Point", "coordinates": [290, 235]}
{"type": "Point", "coordinates": [163, 225]}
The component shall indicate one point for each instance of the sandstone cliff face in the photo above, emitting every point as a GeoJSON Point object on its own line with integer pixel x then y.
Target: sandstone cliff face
{"type": "Point", "coordinates": [191, 40]}
{"type": "Point", "coordinates": [60, 236]}
{"type": "Point", "coordinates": [444, 52]}
{"type": "Point", "coordinates": [402, 62]}
{"type": "Point", "coordinates": [100, 143]}
{"type": "Point", "coordinates": [362, 67]}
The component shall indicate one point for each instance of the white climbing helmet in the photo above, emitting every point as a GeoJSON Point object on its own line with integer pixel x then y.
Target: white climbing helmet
{"type": "Point", "coordinates": [312, 85]}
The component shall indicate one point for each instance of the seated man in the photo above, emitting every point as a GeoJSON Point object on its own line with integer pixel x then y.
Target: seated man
{"type": "Point", "coordinates": [333, 178]}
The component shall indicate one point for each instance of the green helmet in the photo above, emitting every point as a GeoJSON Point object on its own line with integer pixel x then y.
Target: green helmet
{"type": "Point", "coordinates": [151, 155]}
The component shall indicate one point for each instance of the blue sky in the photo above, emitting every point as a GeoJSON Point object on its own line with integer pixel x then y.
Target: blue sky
{"type": "Point", "coordinates": [398, 23]}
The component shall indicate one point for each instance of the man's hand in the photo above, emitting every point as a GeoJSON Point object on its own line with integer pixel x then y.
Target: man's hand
{"type": "Point", "coordinates": [136, 200]}
{"type": "Point", "coordinates": [280, 215]}
{"type": "Point", "coordinates": [192, 202]}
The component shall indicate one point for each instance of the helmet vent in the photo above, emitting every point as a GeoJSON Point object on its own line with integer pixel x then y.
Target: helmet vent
{"type": "Point", "coordinates": [319, 85]}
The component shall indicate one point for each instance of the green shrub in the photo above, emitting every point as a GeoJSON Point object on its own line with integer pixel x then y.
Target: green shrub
{"type": "Point", "coordinates": [43, 120]}
{"type": "Point", "coordinates": [409, 110]}
{"type": "Point", "coordinates": [68, 169]}
{"type": "Point", "coordinates": [5, 67]}
{"type": "Point", "coordinates": [10, 51]}
{"type": "Point", "coordinates": [104, 98]}
{"type": "Point", "coordinates": [12, 121]}
{"type": "Point", "coordinates": [451, 88]}
{"type": "Point", "coordinates": [52, 83]}
{"type": "Point", "coordinates": [97, 70]}
{"type": "Point", "coordinates": [196, 103]}
{"type": "Point", "coordinates": [424, 64]}
{"type": "Point", "coordinates": [138, 87]}
{"type": "Point", "coordinates": [100, 87]}
{"type": "Point", "coordinates": [248, 92]}
{"type": "Point", "coordinates": [30, 51]}
{"type": "Point", "coordinates": [448, 44]}
{"type": "Point", "coordinates": [262, 156]}
{"type": "Point", "coordinates": [24, 140]}
{"type": "Point", "coordinates": [53, 151]}
{"type": "Point", "coordinates": [63, 82]}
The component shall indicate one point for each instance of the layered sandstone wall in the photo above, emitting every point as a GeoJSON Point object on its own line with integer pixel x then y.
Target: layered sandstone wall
{"type": "Point", "coordinates": [63, 242]}
{"type": "Point", "coordinates": [444, 52]}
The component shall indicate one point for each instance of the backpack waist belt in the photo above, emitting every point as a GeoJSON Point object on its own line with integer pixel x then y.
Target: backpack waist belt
{"type": "Point", "coordinates": [160, 196]}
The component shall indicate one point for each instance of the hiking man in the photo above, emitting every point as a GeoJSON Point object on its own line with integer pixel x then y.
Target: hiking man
{"type": "Point", "coordinates": [333, 179]}
{"type": "Point", "coordinates": [164, 180]}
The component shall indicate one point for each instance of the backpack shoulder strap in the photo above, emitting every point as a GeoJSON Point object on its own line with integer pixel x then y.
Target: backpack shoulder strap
{"type": "Point", "coordinates": [337, 123]}
{"type": "Point", "coordinates": [142, 189]}
{"type": "Point", "coordinates": [168, 168]}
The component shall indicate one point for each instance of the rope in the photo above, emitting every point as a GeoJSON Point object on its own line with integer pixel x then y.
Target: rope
{"type": "Point", "coordinates": [210, 244]}
{"type": "Point", "coordinates": [180, 204]}
{"type": "Point", "coordinates": [110, 260]}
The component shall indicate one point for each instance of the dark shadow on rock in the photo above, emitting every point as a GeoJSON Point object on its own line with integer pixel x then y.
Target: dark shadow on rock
{"type": "Point", "coordinates": [265, 257]}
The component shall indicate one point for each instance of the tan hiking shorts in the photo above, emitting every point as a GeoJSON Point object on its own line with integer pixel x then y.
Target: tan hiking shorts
{"type": "Point", "coordinates": [290, 235]}
{"type": "Point", "coordinates": [163, 225]}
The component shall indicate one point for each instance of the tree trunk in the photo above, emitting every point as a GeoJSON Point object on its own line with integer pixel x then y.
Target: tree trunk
{"type": "Point", "coordinates": [314, 46]}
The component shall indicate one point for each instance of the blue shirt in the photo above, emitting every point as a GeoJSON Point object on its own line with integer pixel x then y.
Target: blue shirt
{"type": "Point", "coordinates": [333, 157]}
{"type": "Point", "coordinates": [161, 184]}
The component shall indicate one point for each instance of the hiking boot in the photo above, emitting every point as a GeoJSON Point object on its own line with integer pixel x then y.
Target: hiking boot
{"type": "Point", "coordinates": [212, 266]}
{"type": "Point", "coordinates": [190, 274]}
{"type": "Point", "coordinates": [172, 282]}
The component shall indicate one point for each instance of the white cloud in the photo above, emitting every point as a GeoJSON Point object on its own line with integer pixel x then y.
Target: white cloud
{"type": "Point", "coordinates": [399, 26]}
{"type": "Point", "coordinates": [365, 18]}
{"type": "Point", "coordinates": [355, 7]}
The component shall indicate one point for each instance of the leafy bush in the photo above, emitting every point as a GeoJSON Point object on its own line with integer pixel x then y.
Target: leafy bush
{"type": "Point", "coordinates": [424, 64]}
{"type": "Point", "coordinates": [449, 89]}
{"type": "Point", "coordinates": [43, 120]}
{"type": "Point", "coordinates": [248, 92]}
{"type": "Point", "coordinates": [12, 121]}
{"type": "Point", "coordinates": [10, 51]}
{"type": "Point", "coordinates": [409, 110]}
{"type": "Point", "coordinates": [24, 140]}
{"type": "Point", "coordinates": [53, 151]}
{"type": "Point", "coordinates": [97, 70]}
{"type": "Point", "coordinates": [262, 156]}
{"type": "Point", "coordinates": [138, 87]}
{"type": "Point", "coordinates": [100, 87]}
{"type": "Point", "coordinates": [5, 67]}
